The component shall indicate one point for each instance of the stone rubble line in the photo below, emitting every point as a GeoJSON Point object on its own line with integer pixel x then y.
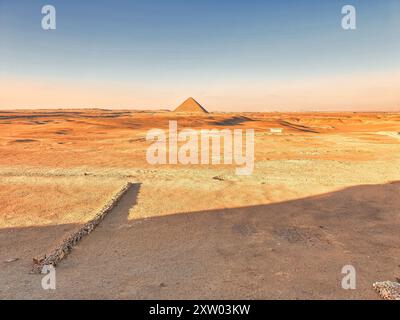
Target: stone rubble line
{"type": "Point", "coordinates": [388, 290]}
{"type": "Point", "coordinates": [67, 245]}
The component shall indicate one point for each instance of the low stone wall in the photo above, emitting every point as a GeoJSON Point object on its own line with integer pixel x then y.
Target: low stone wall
{"type": "Point", "coordinates": [67, 245]}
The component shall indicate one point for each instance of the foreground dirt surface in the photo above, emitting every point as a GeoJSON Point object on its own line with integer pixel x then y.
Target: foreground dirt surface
{"type": "Point", "coordinates": [324, 193]}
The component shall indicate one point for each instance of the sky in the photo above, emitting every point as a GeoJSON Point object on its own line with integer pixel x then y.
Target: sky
{"type": "Point", "coordinates": [230, 55]}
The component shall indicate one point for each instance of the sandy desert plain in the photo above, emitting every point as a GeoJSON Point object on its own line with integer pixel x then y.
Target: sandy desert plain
{"type": "Point", "coordinates": [324, 194]}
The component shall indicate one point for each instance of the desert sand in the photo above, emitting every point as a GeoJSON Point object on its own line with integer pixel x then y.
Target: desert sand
{"type": "Point", "coordinates": [324, 193]}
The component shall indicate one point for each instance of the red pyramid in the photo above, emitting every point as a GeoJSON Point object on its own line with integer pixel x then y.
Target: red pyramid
{"type": "Point", "coordinates": [190, 106]}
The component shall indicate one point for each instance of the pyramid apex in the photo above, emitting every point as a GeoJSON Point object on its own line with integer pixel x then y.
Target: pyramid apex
{"type": "Point", "coordinates": [190, 105]}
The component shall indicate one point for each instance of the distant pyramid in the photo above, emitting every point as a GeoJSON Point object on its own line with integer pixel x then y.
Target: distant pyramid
{"type": "Point", "coordinates": [191, 106]}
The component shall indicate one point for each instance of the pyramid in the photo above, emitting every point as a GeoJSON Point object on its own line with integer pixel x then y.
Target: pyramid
{"type": "Point", "coordinates": [190, 106]}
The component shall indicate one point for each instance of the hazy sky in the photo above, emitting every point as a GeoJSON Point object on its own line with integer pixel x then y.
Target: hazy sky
{"type": "Point", "coordinates": [229, 55]}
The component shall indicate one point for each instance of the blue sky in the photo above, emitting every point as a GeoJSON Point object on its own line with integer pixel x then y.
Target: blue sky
{"type": "Point", "coordinates": [191, 44]}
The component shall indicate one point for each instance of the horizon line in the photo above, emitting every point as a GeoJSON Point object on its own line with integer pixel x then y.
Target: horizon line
{"type": "Point", "coordinates": [216, 111]}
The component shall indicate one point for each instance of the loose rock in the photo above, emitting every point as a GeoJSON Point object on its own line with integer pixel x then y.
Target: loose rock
{"type": "Point", "coordinates": [388, 290]}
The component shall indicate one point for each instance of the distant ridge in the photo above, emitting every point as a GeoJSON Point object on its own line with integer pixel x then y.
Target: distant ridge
{"type": "Point", "coordinates": [190, 106]}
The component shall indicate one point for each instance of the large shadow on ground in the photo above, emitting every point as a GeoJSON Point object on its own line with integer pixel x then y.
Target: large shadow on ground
{"type": "Point", "coordinates": [293, 249]}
